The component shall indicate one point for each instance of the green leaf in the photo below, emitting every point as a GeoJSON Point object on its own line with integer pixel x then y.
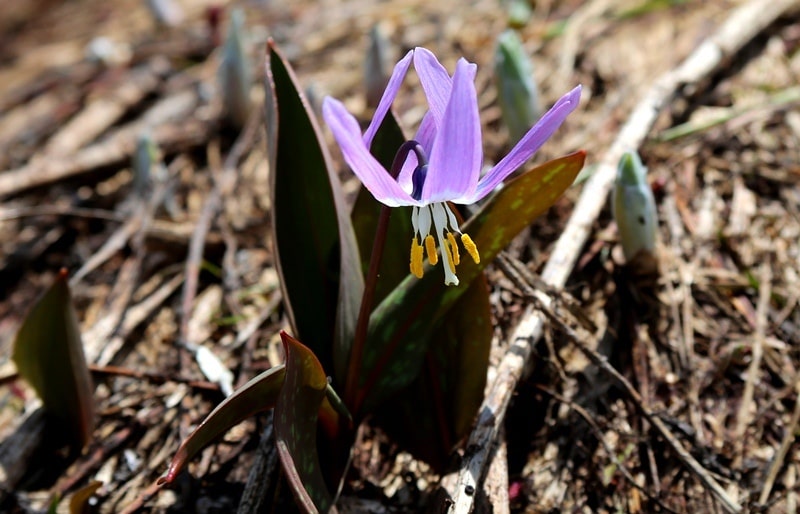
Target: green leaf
{"type": "Point", "coordinates": [461, 356]}
{"type": "Point", "coordinates": [296, 415]}
{"type": "Point", "coordinates": [430, 416]}
{"type": "Point", "coordinates": [48, 353]}
{"type": "Point", "coordinates": [400, 327]}
{"type": "Point", "coordinates": [318, 258]}
{"type": "Point", "coordinates": [257, 395]}
{"type": "Point", "coordinates": [366, 210]}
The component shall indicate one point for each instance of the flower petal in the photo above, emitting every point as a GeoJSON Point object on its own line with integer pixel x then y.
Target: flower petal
{"type": "Point", "coordinates": [374, 177]}
{"type": "Point", "coordinates": [529, 144]}
{"type": "Point", "coordinates": [434, 80]}
{"type": "Point", "coordinates": [392, 87]}
{"type": "Point", "coordinates": [456, 156]}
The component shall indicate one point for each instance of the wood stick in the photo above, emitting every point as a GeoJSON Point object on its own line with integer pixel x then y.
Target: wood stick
{"type": "Point", "coordinates": [117, 148]}
{"type": "Point", "coordinates": [104, 111]}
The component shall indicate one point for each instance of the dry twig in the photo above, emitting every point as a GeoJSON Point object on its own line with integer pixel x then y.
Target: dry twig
{"type": "Point", "coordinates": [579, 338]}
{"type": "Point", "coordinates": [744, 416]}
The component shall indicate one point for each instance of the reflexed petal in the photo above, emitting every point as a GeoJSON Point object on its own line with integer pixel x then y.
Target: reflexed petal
{"type": "Point", "coordinates": [435, 81]}
{"type": "Point", "coordinates": [529, 144]}
{"type": "Point", "coordinates": [374, 177]}
{"type": "Point", "coordinates": [392, 87]}
{"type": "Point", "coordinates": [456, 157]}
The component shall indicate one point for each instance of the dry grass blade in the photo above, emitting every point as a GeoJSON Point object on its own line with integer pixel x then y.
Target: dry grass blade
{"type": "Point", "coordinates": [746, 408]}
{"type": "Point", "coordinates": [788, 439]}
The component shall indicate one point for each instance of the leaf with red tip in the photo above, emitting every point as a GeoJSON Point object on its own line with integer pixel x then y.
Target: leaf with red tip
{"type": "Point", "coordinates": [296, 415]}
{"type": "Point", "coordinates": [49, 354]}
{"type": "Point", "coordinates": [257, 395]}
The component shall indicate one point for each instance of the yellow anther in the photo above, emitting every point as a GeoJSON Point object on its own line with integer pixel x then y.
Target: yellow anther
{"type": "Point", "coordinates": [430, 249]}
{"type": "Point", "coordinates": [448, 256]}
{"type": "Point", "coordinates": [470, 247]}
{"type": "Point", "coordinates": [454, 248]}
{"type": "Point", "coordinates": [416, 258]}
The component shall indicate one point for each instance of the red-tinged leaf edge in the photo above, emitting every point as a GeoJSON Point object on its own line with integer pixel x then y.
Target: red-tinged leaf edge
{"type": "Point", "coordinates": [318, 260]}
{"type": "Point", "coordinates": [400, 327]}
{"type": "Point", "coordinates": [48, 344]}
{"type": "Point", "coordinates": [296, 415]}
{"type": "Point", "coordinates": [257, 395]}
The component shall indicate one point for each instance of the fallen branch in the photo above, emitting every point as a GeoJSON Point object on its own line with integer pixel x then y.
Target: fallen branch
{"type": "Point", "coordinates": [117, 148]}
{"type": "Point", "coordinates": [744, 23]}
{"type": "Point", "coordinates": [101, 113]}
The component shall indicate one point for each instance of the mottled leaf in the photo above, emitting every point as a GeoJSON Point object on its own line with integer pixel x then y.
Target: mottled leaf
{"type": "Point", "coordinates": [318, 258]}
{"type": "Point", "coordinates": [296, 415]}
{"type": "Point", "coordinates": [49, 354]}
{"type": "Point", "coordinates": [400, 327]}
{"type": "Point", "coordinates": [257, 395]}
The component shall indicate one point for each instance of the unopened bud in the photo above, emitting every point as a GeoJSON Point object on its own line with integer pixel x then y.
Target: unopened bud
{"type": "Point", "coordinates": [516, 87]}
{"type": "Point", "coordinates": [166, 12]}
{"type": "Point", "coordinates": [235, 73]}
{"type": "Point", "coordinates": [377, 65]}
{"type": "Point", "coordinates": [519, 13]}
{"type": "Point", "coordinates": [145, 158]}
{"type": "Point", "coordinates": [634, 207]}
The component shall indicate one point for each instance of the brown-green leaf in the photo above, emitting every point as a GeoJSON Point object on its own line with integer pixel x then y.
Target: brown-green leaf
{"type": "Point", "coordinates": [48, 353]}
{"type": "Point", "coordinates": [296, 415]}
{"type": "Point", "coordinates": [257, 395]}
{"type": "Point", "coordinates": [400, 327]}
{"type": "Point", "coordinates": [431, 415]}
{"type": "Point", "coordinates": [318, 258]}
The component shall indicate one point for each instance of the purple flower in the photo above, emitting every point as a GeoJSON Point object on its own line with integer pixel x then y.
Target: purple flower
{"type": "Point", "coordinates": [443, 163]}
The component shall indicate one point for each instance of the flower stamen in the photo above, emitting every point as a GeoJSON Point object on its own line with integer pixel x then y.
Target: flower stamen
{"type": "Point", "coordinates": [451, 239]}
{"type": "Point", "coordinates": [416, 258]}
{"type": "Point", "coordinates": [446, 249]}
{"type": "Point", "coordinates": [470, 247]}
{"type": "Point", "coordinates": [435, 230]}
{"type": "Point", "coordinates": [430, 249]}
